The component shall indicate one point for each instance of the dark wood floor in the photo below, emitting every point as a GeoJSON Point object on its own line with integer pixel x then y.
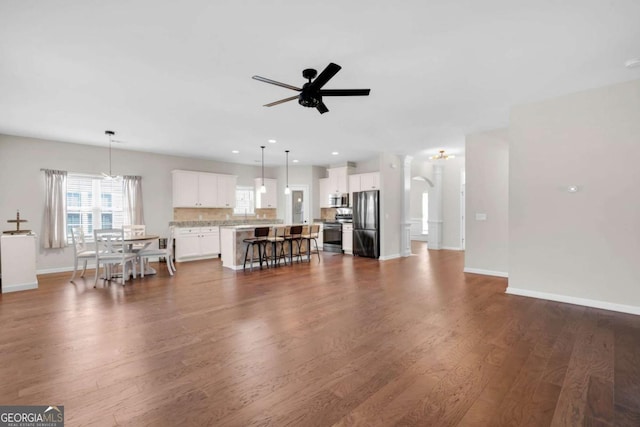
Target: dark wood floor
{"type": "Point", "coordinates": [347, 341]}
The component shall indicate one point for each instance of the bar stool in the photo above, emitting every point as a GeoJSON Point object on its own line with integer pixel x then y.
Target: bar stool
{"type": "Point", "coordinates": [294, 235]}
{"type": "Point", "coordinates": [259, 238]}
{"type": "Point", "coordinates": [312, 234]}
{"type": "Point", "coordinates": [277, 237]}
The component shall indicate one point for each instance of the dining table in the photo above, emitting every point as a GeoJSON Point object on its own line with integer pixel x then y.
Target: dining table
{"type": "Point", "coordinates": [140, 242]}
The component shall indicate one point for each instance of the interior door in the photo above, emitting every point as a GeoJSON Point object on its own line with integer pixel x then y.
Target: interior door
{"type": "Point", "coordinates": [297, 207]}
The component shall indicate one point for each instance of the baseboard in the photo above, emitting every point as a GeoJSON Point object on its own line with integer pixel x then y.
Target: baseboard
{"type": "Point", "coordinates": [19, 287]}
{"type": "Point", "coordinates": [622, 308]}
{"type": "Point", "coordinates": [61, 269]}
{"type": "Point", "coordinates": [486, 272]}
{"type": "Point", "coordinates": [451, 248]}
{"type": "Point", "coordinates": [70, 268]}
{"type": "Point", "coordinates": [388, 257]}
{"type": "Point", "coordinates": [420, 237]}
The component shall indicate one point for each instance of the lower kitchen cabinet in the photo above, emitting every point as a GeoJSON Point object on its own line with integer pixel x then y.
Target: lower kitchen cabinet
{"type": "Point", "coordinates": [347, 238]}
{"type": "Point", "coordinates": [197, 243]}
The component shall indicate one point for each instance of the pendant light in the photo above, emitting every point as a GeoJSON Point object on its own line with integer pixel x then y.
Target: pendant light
{"type": "Point", "coordinates": [110, 176]}
{"type": "Point", "coordinates": [287, 190]}
{"type": "Point", "coordinates": [263, 189]}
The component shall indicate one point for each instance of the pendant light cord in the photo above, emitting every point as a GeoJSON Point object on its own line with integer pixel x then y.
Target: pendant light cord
{"type": "Point", "coordinates": [262, 146]}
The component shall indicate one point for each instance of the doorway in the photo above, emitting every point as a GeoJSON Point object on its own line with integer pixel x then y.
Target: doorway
{"type": "Point", "coordinates": [297, 205]}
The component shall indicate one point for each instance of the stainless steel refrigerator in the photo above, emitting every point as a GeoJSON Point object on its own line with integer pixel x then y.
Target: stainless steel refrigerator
{"type": "Point", "coordinates": [366, 224]}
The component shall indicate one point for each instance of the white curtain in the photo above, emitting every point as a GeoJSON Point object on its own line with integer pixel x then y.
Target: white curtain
{"type": "Point", "coordinates": [54, 235]}
{"type": "Point", "coordinates": [132, 200]}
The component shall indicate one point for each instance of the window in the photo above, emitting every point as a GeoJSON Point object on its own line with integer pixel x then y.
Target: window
{"type": "Point", "coordinates": [245, 203]}
{"type": "Point", "coordinates": [93, 203]}
{"type": "Point", "coordinates": [425, 213]}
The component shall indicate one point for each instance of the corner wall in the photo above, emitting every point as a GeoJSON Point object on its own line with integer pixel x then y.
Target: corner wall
{"type": "Point", "coordinates": [581, 247]}
{"type": "Point", "coordinates": [487, 192]}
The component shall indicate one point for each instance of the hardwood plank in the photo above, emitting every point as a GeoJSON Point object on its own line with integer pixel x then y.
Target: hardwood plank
{"type": "Point", "coordinates": [347, 341]}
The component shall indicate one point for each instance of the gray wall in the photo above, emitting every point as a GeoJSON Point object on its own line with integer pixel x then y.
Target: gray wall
{"type": "Point", "coordinates": [579, 247]}
{"type": "Point", "coordinates": [22, 182]}
{"type": "Point", "coordinates": [487, 192]}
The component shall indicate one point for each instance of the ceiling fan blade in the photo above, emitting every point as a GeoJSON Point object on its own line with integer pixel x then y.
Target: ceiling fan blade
{"type": "Point", "coordinates": [273, 82]}
{"type": "Point", "coordinates": [325, 76]}
{"type": "Point", "coordinates": [322, 108]}
{"type": "Point", "coordinates": [345, 92]}
{"type": "Point", "coordinates": [282, 101]}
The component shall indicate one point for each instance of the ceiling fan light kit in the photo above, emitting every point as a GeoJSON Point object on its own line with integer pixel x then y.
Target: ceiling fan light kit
{"type": "Point", "coordinates": [311, 92]}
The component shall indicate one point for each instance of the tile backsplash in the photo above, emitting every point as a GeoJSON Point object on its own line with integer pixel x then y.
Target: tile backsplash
{"type": "Point", "coordinates": [217, 214]}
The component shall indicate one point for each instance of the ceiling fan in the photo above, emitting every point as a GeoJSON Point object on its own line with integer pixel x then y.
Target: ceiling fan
{"type": "Point", "coordinates": [311, 92]}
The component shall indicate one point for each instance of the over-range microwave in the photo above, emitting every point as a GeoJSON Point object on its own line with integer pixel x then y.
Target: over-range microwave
{"type": "Point", "coordinates": [339, 200]}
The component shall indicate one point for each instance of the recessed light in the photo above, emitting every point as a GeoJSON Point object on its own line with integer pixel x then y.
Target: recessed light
{"type": "Point", "coordinates": [335, 153]}
{"type": "Point", "coordinates": [632, 63]}
{"type": "Point", "coordinates": [272, 141]}
{"type": "Point", "coordinates": [296, 161]}
{"type": "Point", "coordinates": [235, 151]}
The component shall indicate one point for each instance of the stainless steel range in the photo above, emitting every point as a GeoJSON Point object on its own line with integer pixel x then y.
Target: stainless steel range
{"type": "Point", "coordinates": [332, 230]}
{"type": "Point", "coordinates": [332, 236]}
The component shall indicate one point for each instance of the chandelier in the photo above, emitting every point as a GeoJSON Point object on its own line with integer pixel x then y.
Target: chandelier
{"type": "Point", "coordinates": [442, 156]}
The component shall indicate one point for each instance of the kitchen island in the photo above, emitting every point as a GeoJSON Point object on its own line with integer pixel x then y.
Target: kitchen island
{"type": "Point", "coordinates": [197, 240]}
{"type": "Point", "coordinates": [232, 247]}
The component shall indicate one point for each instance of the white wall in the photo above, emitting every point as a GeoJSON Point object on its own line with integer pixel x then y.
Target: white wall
{"type": "Point", "coordinates": [487, 192]}
{"type": "Point", "coordinates": [451, 209]}
{"type": "Point", "coordinates": [22, 182]}
{"type": "Point", "coordinates": [451, 213]}
{"type": "Point", "coordinates": [301, 175]}
{"type": "Point", "coordinates": [391, 190]}
{"type": "Point", "coordinates": [579, 247]}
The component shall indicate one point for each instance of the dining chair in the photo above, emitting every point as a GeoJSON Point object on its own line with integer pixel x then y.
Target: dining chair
{"type": "Point", "coordinates": [80, 251]}
{"type": "Point", "coordinates": [312, 235]}
{"type": "Point", "coordinates": [109, 254]}
{"type": "Point", "coordinates": [276, 237]}
{"type": "Point", "coordinates": [167, 253]}
{"type": "Point", "coordinates": [259, 239]}
{"type": "Point", "coordinates": [294, 235]}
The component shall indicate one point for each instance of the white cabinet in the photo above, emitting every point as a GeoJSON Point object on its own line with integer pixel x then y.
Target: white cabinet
{"type": "Point", "coordinates": [370, 181]}
{"type": "Point", "coordinates": [18, 260]}
{"type": "Point", "coordinates": [338, 180]}
{"type": "Point", "coordinates": [320, 238]}
{"type": "Point", "coordinates": [226, 197]}
{"type": "Point", "coordinates": [347, 238]}
{"type": "Point", "coordinates": [270, 198]}
{"type": "Point", "coordinates": [323, 190]}
{"type": "Point", "coordinates": [185, 189]}
{"type": "Point", "coordinates": [203, 190]}
{"type": "Point", "coordinates": [363, 182]}
{"type": "Point", "coordinates": [197, 243]}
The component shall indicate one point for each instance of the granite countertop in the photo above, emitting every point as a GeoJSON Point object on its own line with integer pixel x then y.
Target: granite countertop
{"type": "Point", "coordinates": [227, 222]}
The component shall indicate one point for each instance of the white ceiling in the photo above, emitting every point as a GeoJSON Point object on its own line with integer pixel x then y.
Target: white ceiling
{"type": "Point", "coordinates": [175, 77]}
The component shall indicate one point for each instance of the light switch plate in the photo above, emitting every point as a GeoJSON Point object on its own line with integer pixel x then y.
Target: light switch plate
{"type": "Point", "coordinates": [481, 216]}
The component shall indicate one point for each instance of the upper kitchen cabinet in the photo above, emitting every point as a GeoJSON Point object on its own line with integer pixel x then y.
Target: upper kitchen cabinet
{"type": "Point", "coordinates": [370, 181]}
{"type": "Point", "coordinates": [338, 180]}
{"type": "Point", "coordinates": [270, 198]}
{"type": "Point", "coordinates": [226, 197]}
{"type": "Point", "coordinates": [363, 182]}
{"type": "Point", "coordinates": [203, 190]}
{"type": "Point", "coordinates": [323, 190]}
